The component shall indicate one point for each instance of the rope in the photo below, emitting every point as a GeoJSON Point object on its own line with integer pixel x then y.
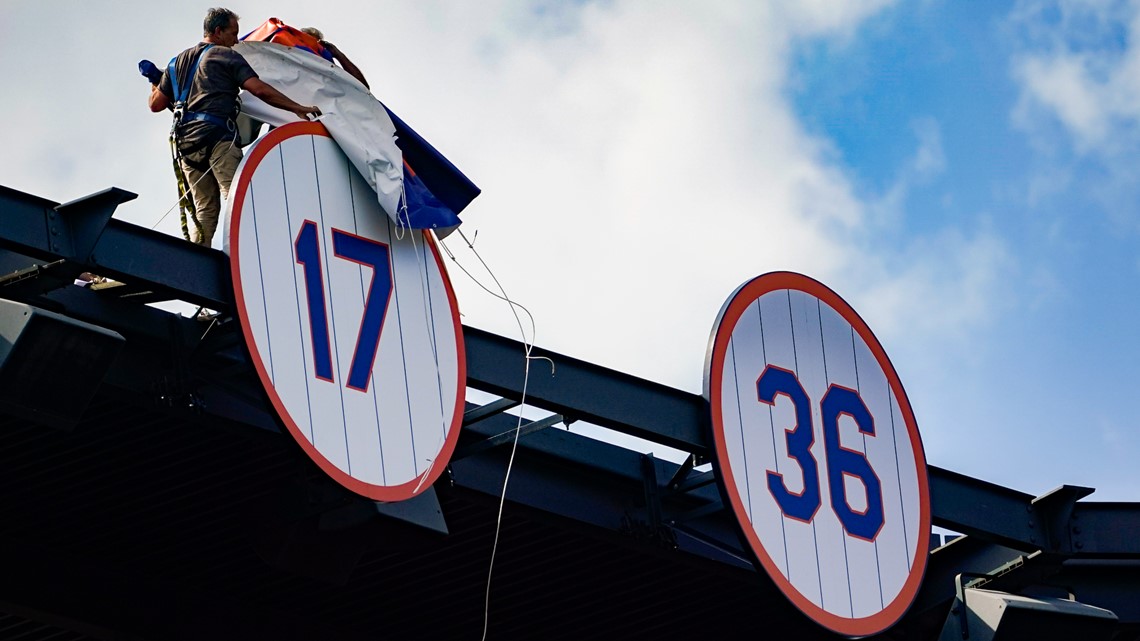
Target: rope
{"type": "Point", "coordinates": [185, 199]}
{"type": "Point", "coordinates": [528, 345]}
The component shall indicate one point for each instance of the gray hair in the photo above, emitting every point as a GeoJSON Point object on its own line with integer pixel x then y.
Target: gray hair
{"type": "Point", "coordinates": [217, 18]}
{"type": "Point", "coordinates": [314, 32]}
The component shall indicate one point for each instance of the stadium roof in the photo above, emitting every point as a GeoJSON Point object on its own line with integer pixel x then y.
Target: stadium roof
{"type": "Point", "coordinates": [150, 493]}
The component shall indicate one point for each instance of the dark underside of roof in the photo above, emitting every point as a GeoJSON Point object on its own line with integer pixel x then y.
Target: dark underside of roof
{"type": "Point", "coordinates": [143, 524]}
{"type": "Point", "coordinates": [167, 503]}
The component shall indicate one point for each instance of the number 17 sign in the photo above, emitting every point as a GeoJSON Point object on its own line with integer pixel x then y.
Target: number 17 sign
{"type": "Point", "coordinates": [350, 321]}
{"type": "Point", "coordinates": [818, 453]}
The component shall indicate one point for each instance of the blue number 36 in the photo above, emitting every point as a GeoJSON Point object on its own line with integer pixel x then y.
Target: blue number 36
{"type": "Point", "coordinates": [841, 461]}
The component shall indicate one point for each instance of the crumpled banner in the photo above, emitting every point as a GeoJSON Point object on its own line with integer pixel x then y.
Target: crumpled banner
{"type": "Point", "coordinates": [352, 115]}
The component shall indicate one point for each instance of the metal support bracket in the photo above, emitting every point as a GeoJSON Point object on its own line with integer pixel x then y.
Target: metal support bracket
{"type": "Point", "coordinates": [506, 437]}
{"type": "Point", "coordinates": [75, 227]}
{"type": "Point", "coordinates": [681, 473]}
{"type": "Point", "coordinates": [715, 507]}
{"type": "Point", "coordinates": [477, 414]}
{"type": "Point", "coordinates": [652, 495]}
{"type": "Point", "coordinates": [422, 510]}
{"type": "Point", "coordinates": [700, 480]}
{"type": "Point", "coordinates": [1053, 512]}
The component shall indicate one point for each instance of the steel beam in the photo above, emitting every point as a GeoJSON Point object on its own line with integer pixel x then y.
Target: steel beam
{"type": "Point", "coordinates": [1106, 530]}
{"type": "Point", "coordinates": [521, 429]}
{"type": "Point", "coordinates": [985, 510]}
{"type": "Point", "coordinates": [583, 391]}
{"type": "Point", "coordinates": [83, 232]}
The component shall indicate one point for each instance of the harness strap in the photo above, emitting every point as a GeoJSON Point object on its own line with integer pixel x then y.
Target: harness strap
{"type": "Point", "coordinates": [187, 210]}
{"type": "Point", "coordinates": [225, 123]}
{"type": "Point", "coordinates": [182, 93]}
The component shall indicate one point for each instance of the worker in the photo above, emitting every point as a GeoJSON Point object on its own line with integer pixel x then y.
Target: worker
{"type": "Point", "coordinates": [338, 55]}
{"type": "Point", "coordinates": [201, 84]}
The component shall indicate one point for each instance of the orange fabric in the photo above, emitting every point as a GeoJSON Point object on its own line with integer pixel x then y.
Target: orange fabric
{"type": "Point", "coordinates": [274, 30]}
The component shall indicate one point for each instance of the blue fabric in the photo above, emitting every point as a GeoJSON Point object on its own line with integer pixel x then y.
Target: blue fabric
{"type": "Point", "coordinates": [150, 71]}
{"type": "Point", "coordinates": [435, 189]}
{"type": "Point", "coordinates": [425, 211]}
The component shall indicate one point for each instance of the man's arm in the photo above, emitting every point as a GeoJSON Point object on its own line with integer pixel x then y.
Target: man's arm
{"type": "Point", "coordinates": [158, 100]}
{"type": "Point", "coordinates": [345, 62]}
{"type": "Point", "coordinates": [274, 98]}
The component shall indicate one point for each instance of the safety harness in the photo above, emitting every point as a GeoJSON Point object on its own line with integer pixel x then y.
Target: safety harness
{"type": "Point", "coordinates": [183, 116]}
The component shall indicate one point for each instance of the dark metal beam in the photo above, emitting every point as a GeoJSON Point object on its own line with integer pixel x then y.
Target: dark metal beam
{"type": "Point", "coordinates": [985, 510]}
{"type": "Point", "coordinates": [521, 429]}
{"type": "Point", "coordinates": [966, 554]}
{"type": "Point", "coordinates": [1106, 584]}
{"type": "Point", "coordinates": [83, 232]}
{"type": "Point", "coordinates": [476, 414]}
{"type": "Point", "coordinates": [583, 391]}
{"type": "Point", "coordinates": [1102, 530]}
{"type": "Point", "coordinates": [80, 233]}
{"type": "Point", "coordinates": [189, 272]}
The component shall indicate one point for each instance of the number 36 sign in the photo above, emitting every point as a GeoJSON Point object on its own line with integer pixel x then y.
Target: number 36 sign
{"type": "Point", "coordinates": [818, 453]}
{"type": "Point", "coordinates": [351, 322]}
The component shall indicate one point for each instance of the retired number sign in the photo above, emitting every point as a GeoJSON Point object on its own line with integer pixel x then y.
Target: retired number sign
{"type": "Point", "coordinates": [351, 323]}
{"type": "Point", "coordinates": [818, 453]}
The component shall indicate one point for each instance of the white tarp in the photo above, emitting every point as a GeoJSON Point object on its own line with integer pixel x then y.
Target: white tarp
{"type": "Point", "coordinates": [354, 118]}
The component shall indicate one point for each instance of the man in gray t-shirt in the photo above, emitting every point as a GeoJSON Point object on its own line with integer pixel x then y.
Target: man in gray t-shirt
{"type": "Point", "coordinates": [206, 137]}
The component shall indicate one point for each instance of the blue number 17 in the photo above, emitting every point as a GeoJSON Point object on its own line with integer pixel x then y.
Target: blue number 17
{"type": "Point", "coordinates": [360, 250]}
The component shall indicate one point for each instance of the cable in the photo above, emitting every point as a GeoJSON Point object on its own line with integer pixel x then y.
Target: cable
{"type": "Point", "coordinates": [528, 345]}
{"type": "Point", "coordinates": [187, 193]}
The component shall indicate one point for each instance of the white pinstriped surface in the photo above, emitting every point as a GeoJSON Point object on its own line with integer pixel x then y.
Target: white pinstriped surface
{"type": "Point", "coordinates": [392, 433]}
{"type": "Point", "coordinates": [840, 574]}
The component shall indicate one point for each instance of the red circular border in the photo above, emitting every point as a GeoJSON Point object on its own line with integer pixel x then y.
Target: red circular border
{"type": "Point", "coordinates": [740, 300]}
{"type": "Point", "coordinates": [377, 492]}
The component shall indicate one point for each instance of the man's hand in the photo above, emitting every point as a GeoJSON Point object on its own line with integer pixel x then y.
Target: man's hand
{"type": "Point", "coordinates": [304, 112]}
{"type": "Point", "coordinates": [274, 98]}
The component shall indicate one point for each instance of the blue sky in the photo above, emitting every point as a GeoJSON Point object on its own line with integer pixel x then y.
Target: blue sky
{"type": "Point", "coordinates": [963, 173]}
{"type": "Point", "coordinates": [1057, 361]}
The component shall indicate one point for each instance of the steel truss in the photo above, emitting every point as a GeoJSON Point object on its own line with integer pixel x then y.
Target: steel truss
{"type": "Point", "coordinates": [1014, 541]}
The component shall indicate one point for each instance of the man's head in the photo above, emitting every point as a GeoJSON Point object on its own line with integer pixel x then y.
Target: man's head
{"type": "Point", "coordinates": [314, 32]}
{"type": "Point", "coordinates": [221, 27]}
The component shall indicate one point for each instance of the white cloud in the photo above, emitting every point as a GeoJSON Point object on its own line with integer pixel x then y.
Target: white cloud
{"type": "Point", "coordinates": [946, 286]}
{"type": "Point", "coordinates": [1081, 67]}
{"type": "Point", "coordinates": [1077, 63]}
{"type": "Point", "coordinates": [638, 160]}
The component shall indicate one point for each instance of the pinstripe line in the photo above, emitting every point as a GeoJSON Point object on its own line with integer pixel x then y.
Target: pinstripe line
{"type": "Point", "coordinates": [898, 475]}
{"type": "Point", "coordinates": [360, 274]}
{"type": "Point", "coordinates": [740, 422]}
{"type": "Point", "coordinates": [814, 538]}
{"type": "Point", "coordinates": [404, 358]}
{"type": "Point", "coordinates": [859, 388]}
{"type": "Point", "coordinates": [443, 422]}
{"type": "Point", "coordinates": [842, 530]}
{"type": "Point", "coordinates": [772, 431]}
{"type": "Point", "coordinates": [331, 305]}
{"type": "Point", "coordinates": [261, 278]}
{"type": "Point", "coordinates": [297, 298]}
